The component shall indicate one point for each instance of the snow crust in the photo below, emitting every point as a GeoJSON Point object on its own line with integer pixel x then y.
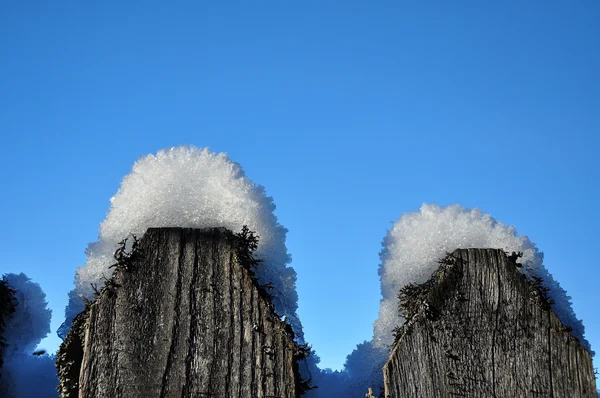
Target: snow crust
{"type": "Point", "coordinates": [191, 187]}
{"type": "Point", "coordinates": [418, 239]}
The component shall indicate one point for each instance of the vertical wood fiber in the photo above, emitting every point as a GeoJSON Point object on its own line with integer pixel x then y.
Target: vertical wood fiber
{"type": "Point", "coordinates": [490, 337]}
{"type": "Point", "coordinates": [186, 321]}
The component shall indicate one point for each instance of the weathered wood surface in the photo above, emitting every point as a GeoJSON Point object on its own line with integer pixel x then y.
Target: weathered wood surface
{"type": "Point", "coordinates": [485, 333]}
{"type": "Point", "coordinates": [186, 321]}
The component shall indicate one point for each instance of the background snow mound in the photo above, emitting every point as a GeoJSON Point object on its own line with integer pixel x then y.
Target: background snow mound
{"type": "Point", "coordinates": [31, 321]}
{"type": "Point", "coordinates": [417, 240]}
{"type": "Point", "coordinates": [24, 330]}
{"type": "Point", "coordinates": [195, 188]}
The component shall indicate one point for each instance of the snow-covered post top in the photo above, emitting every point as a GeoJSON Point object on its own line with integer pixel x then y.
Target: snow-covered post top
{"type": "Point", "coordinates": [191, 188]}
{"type": "Point", "coordinates": [417, 241]}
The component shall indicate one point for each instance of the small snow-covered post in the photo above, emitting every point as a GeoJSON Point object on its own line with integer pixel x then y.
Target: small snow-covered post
{"type": "Point", "coordinates": [183, 317]}
{"type": "Point", "coordinates": [479, 328]}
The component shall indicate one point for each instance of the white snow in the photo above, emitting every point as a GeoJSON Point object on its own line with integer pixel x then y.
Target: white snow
{"type": "Point", "coordinates": [191, 187]}
{"type": "Point", "coordinates": [417, 240]}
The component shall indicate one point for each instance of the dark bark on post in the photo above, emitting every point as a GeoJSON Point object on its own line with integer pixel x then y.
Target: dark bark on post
{"type": "Point", "coordinates": [483, 330]}
{"type": "Point", "coordinates": [184, 319]}
{"type": "Point", "coordinates": [70, 356]}
{"type": "Point", "coordinates": [7, 309]}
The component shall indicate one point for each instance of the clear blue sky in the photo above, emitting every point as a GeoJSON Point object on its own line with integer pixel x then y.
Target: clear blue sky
{"type": "Point", "coordinates": [349, 113]}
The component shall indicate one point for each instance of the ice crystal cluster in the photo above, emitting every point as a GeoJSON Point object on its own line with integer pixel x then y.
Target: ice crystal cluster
{"type": "Point", "coordinates": [193, 188]}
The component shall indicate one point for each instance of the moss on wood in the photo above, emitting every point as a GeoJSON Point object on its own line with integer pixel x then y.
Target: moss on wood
{"type": "Point", "coordinates": [70, 356]}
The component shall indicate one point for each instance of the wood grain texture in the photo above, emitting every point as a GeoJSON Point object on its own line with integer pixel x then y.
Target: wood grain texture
{"type": "Point", "coordinates": [483, 331]}
{"type": "Point", "coordinates": [186, 320]}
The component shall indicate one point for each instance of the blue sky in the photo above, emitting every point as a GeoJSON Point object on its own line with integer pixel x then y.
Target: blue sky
{"type": "Point", "coordinates": [349, 113]}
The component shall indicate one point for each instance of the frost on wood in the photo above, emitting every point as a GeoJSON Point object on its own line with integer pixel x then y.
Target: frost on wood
{"type": "Point", "coordinates": [185, 317]}
{"type": "Point", "coordinates": [416, 241]}
{"type": "Point", "coordinates": [191, 188]}
{"type": "Point", "coordinates": [479, 328]}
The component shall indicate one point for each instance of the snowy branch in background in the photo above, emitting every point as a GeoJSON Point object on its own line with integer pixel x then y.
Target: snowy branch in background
{"type": "Point", "coordinates": [24, 330]}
